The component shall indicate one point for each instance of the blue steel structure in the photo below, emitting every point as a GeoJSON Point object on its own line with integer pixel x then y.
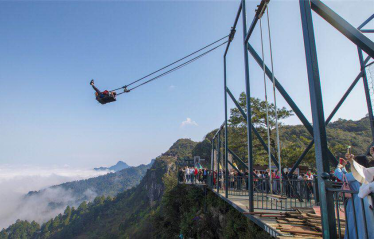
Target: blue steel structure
{"type": "Point", "coordinates": [318, 129]}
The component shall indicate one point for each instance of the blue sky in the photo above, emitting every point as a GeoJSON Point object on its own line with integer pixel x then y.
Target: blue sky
{"type": "Point", "coordinates": [50, 51]}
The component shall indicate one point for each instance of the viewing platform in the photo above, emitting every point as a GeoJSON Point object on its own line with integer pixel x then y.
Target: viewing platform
{"type": "Point", "coordinates": [281, 217]}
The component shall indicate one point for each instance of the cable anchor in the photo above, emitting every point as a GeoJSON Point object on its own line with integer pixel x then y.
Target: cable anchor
{"type": "Point", "coordinates": [261, 8]}
{"type": "Point", "coordinates": [232, 33]}
{"type": "Point", "coordinates": [126, 89]}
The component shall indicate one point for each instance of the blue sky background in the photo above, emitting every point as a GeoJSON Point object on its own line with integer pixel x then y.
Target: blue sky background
{"type": "Point", "coordinates": [49, 51]}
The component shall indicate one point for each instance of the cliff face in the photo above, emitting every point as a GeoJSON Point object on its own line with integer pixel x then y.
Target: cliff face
{"type": "Point", "coordinates": [182, 212]}
{"type": "Point", "coordinates": [153, 187]}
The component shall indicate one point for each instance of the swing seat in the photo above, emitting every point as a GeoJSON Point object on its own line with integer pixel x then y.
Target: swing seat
{"type": "Point", "coordinates": [104, 99]}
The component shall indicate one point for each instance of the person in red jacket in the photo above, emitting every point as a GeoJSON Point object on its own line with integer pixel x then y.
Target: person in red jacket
{"type": "Point", "coordinates": [195, 175]}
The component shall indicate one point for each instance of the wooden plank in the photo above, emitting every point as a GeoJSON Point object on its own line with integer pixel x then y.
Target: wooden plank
{"type": "Point", "coordinates": [254, 213]}
{"type": "Point", "coordinates": [301, 232]}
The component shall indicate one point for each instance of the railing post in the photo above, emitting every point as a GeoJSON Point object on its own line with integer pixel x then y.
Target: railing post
{"type": "Point", "coordinates": [316, 191]}
{"type": "Point", "coordinates": [249, 130]}
{"type": "Point", "coordinates": [218, 161]}
{"type": "Point", "coordinates": [319, 129]}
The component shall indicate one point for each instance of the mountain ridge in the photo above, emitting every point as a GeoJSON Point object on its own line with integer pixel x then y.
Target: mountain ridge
{"type": "Point", "coordinates": [120, 165]}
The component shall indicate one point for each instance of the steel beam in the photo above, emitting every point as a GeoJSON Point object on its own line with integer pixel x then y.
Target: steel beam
{"type": "Point", "coordinates": [367, 60]}
{"type": "Point", "coordinates": [251, 29]}
{"type": "Point", "coordinates": [258, 14]}
{"type": "Point", "coordinates": [218, 131]}
{"type": "Point", "coordinates": [226, 128]}
{"type": "Point", "coordinates": [343, 26]}
{"type": "Point", "coordinates": [234, 27]}
{"type": "Point", "coordinates": [365, 22]}
{"type": "Point", "coordinates": [234, 169]}
{"type": "Point", "coordinates": [367, 30]}
{"type": "Point", "coordinates": [240, 160]}
{"type": "Point", "coordinates": [320, 137]}
{"type": "Point", "coordinates": [299, 160]}
{"type": "Point", "coordinates": [249, 129]}
{"type": "Point", "coordinates": [237, 158]}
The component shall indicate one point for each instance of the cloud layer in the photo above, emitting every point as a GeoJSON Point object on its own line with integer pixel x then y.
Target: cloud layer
{"type": "Point", "coordinates": [17, 181]}
{"type": "Point", "coordinates": [188, 121]}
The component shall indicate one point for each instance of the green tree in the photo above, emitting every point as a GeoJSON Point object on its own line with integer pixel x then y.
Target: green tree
{"type": "Point", "coordinates": [237, 134]}
{"type": "Point", "coordinates": [258, 113]}
{"type": "Point", "coordinates": [82, 208]}
{"type": "Point", "coordinates": [67, 214]}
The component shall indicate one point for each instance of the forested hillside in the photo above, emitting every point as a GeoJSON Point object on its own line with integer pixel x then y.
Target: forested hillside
{"type": "Point", "coordinates": [293, 138]}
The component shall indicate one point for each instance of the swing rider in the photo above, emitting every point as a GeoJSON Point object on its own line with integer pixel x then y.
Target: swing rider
{"type": "Point", "coordinates": [105, 96]}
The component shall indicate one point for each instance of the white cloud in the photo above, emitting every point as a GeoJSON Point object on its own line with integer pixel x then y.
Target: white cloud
{"type": "Point", "coordinates": [172, 87]}
{"type": "Point", "coordinates": [16, 181]}
{"type": "Point", "coordinates": [188, 121]}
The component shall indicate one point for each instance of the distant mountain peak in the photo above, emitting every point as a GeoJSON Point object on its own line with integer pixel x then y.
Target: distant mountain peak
{"type": "Point", "coordinates": [120, 165]}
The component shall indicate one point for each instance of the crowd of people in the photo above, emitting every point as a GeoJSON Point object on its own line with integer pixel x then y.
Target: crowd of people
{"type": "Point", "coordinates": [193, 175]}
{"type": "Point", "coordinates": [297, 185]}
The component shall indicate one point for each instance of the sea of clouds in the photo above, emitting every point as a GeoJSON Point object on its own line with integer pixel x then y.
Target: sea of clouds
{"type": "Point", "coordinates": [17, 181]}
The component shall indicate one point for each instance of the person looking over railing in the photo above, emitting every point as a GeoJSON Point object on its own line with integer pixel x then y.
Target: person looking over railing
{"type": "Point", "coordinates": [355, 216]}
{"type": "Point", "coordinates": [246, 179]}
{"type": "Point", "coordinates": [195, 175]}
{"type": "Point", "coordinates": [309, 175]}
{"type": "Point", "coordinates": [267, 181]}
{"type": "Point", "coordinates": [205, 173]}
{"type": "Point", "coordinates": [275, 181]}
{"type": "Point", "coordinates": [366, 177]}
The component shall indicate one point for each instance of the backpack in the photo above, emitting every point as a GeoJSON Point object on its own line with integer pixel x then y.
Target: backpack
{"type": "Point", "coordinates": [346, 186]}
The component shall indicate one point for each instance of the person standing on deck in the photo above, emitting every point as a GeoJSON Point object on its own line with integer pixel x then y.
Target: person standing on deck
{"type": "Point", "coordinates": [359, 227]}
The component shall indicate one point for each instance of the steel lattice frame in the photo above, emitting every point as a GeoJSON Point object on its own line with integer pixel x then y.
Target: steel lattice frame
{"type": "Point", "coordinates": [318, 130]}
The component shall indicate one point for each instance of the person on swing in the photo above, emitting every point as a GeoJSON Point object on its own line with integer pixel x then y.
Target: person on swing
{"type": "Point", "coordinates": [105, 96]}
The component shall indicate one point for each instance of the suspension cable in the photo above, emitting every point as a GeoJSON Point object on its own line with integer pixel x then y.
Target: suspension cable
{"type": "Point", "coordinates": [274, 98]}
{"type": "Point", "coordinates": [177, 67]}
{"type": "Point", "coordinates": [123, 87]}
{"type": "Point", "coordinates": [265, 94]}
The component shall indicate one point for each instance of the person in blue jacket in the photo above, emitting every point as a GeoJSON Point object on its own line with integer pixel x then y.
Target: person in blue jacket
{"type": "Point", "coordinates": [362, 226]}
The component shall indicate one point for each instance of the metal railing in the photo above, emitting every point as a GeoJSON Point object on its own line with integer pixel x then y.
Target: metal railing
{"type": "Point", "coordinates": [295, 193]}
{"type": "Point", "coordinates": [353, 215]}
